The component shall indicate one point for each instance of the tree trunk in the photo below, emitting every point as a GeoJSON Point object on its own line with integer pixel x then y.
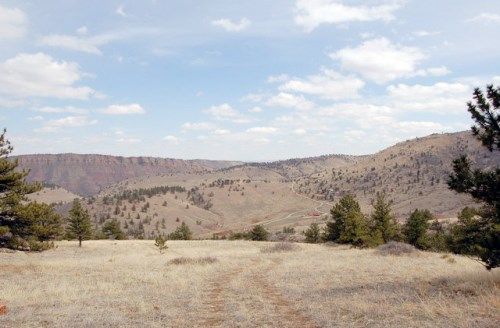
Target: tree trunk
{"type": "Point", "coordinates": [79, 241]}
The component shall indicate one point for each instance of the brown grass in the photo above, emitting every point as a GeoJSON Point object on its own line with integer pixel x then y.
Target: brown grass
{"type": "Point", "coordinates": [280, 247]}
{"type": "Point", "coordinates": [188, 260]}
{"type": "Point", "coordinates": [396, 248]}
{"type": "Point", "coordinates": [128, 284]}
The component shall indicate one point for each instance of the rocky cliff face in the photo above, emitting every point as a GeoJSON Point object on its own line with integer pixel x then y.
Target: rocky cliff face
{"type": "Point", "coordinates": [87, 174]}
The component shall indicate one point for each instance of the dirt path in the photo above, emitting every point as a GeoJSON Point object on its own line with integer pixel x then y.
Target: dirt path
{"type": "Point", "coordinates": [222, 293]}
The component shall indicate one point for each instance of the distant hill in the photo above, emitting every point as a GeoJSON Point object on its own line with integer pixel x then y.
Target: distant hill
{"type": "Point", "coordinates": [218, 197]}
{"type": "Point", "coordinates": [87, 174]}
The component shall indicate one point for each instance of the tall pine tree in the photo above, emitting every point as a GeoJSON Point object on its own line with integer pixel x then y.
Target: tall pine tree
{"type": "Point", "coordinates": [484, 186]}
{"type": "Point", "coordinates": [383, 224]}
{"type": "Point", "coordinates": [13, 191]}
{"type": "Point", "coordinates": [79, 226]}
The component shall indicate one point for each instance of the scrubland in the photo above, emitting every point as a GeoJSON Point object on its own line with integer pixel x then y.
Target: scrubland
{"type": "Point", "coordinates": [243, 284]}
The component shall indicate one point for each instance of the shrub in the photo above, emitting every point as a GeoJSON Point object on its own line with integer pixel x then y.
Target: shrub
{"type": "Point", "coordinates": [396, 248]}
{"type": "Point", "coordinates": [259, 233]}
{"type": "Point", "coordinates": [181, 233]}
{"type": "Point", "coordinates": [189, 260]}
{"type": "Point", "coordinates": [313, 234]}
{"type": "Point", "coordinates": [161, 243]}
{"type": "Point", "coordinates": [280, 247]}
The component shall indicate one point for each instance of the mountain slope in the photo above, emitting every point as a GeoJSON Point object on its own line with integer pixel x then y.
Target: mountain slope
{"type": "Point", "coordinates": [88, 174]}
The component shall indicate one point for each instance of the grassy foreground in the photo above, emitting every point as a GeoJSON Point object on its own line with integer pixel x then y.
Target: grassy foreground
{"type": "Point", "coordinates": [239, 284]}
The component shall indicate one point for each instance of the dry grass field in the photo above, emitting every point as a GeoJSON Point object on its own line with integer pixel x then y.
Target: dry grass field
{"type": "Point", "coordinates": [243, 284]}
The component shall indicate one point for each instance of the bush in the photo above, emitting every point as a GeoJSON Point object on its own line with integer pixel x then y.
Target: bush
{"type": "Point", "coordinates": [396, 248]}
{"type": "Point", "coordinates": [189, 260]}
{"type": "Point", "coordinates": [313, 234]}
{"type": "Point", "coordinates": [280, 247]}
{"type": "Point", "coordinates": [161, 243]}
{"type": "Point", "coordinates": [181, 233]}
{"type": "Point", "coordinates": [112, 230]}
{"type": "Point", "coordinates": [259, 233]}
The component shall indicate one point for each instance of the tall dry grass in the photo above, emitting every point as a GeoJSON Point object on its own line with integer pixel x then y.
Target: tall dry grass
{"type": "Point", "coordinates": [129, 283]}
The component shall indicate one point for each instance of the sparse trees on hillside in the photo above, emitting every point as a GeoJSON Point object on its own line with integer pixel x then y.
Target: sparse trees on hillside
{"type": "Point", "coordinates": [79, 226]}
{"type": "Point", "coordinates": [481, 236]}
{"type": "Point", "coordinates": [348, 224]}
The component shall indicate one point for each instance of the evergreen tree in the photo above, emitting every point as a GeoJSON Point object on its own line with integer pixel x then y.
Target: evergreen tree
{"type": "Point", "coordinates": [416, 228]}
{"type": "Point", "coordinates": [484, 186]}
{"type": "Point", "coordinates": [384, 225]}
{"type": "Point", "coordinates": [112, 230]}
{"type": "Point", "coordinates": [259, 233]}
{"type": "Point", "coordinates": [181, 233]}
{"type": "Point", "coordinates": [38, 221]}
{"type": "Point", "coordinates": [13, 191]}
{"type": "Point", "coordinates": [79, 226]}
{"type": "Point", "coordinates": [313, 234]}
{"type": "Point", "coordinates": [348, 224]}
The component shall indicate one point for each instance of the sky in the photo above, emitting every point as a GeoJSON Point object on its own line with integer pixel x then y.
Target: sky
{"type": "Point", "coordinates": [240, 80]}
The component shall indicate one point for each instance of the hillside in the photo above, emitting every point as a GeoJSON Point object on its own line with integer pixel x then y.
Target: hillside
{"type": "Point", "coordinates": [287, 193]}
{"type": "Point", "coordinates": [87, 174]}
{"type": "Point", "coordinates": [413, 173]}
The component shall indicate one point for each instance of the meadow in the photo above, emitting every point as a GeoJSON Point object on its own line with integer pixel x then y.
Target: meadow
{"type": "Point", "coordinates": [243, 284]}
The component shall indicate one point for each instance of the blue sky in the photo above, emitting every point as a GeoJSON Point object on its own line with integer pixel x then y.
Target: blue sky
{"type": "Point", "coordinates": [242, 80]}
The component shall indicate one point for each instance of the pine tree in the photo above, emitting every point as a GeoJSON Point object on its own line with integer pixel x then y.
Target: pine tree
{"type": "Point", "coordinates": [13, 191]}
{"type": "Point", "coordinates": [313, 234]}
{"type": "Point", "coordinates": [258, 233]}
{"type": "Point", "coordinates": [348, 224]}
{"type": "Point", "coordinates": [79, 226]}
{"type": "Point", "coordinates": [112, 230]}
{"type": "Point", "coordinates": [384, 225]}
{"type": "Point", "coordinates": [483, 240]}
{"type": "Point", "coordinates": [416, 228]}
{"type": "Point", "coordinates": [181, 233]}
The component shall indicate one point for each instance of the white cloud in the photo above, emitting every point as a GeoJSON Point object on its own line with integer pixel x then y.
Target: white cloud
{"type": "Point", "coordinates": [198, 126]}
{"type": "Point", "coordinates": [329, 85]}
{"type": "Point", "coordinates": [485, 17]}
{"type": "Point", "coordinates": [434, 71]}
{"type": "Point", "coordinates": [172, 139]}
{"type": "Point", "coordinates": [300, 132]}
{"type": "Point", "coordinates": [231, 26]}
{"type": "Point", "coordinates": [92, 44]}
{"type": "Point", "coordinates": [128, 140]}
{"type": "Point", "coordinates": [13, 23]}
{"type": "Point", "coordinates": [221, 132]}
{"type": "Point", "coordinates": [120, 10]}
{"type": "Point", "coordinates": [83, 30]}
{"type": "Point", "coordinates": [39, 75]}
{"type": "Point", "coordinates": [225, 112]}
{"type": "Point", "coordinates": [255, 109]}
{"type": "Point", "coordinates": [36, 118]}
{"type": "Point", "coordinates": [263, 130]}
{"type": "Point", "coordinates": [127, 109]}
{"type": "Point", "coordinates": [309, 14]}
{"type": "Point", "coordinates": [288, 100]}
{"type": "Point", "coordinates": [440, 98]}
{"type": "Point", "coordinates": [67, 109]}
{"type": "Point", "coordinates": [253, 97]}
{"type": "Point", "coordinates": [66, 122]}
{"type": "Point", "coordinates": [423, 33]}
{"type": "Point", "coordinates": [278, 78]}
{"type": "Point", "coordinates": [380, 60]}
